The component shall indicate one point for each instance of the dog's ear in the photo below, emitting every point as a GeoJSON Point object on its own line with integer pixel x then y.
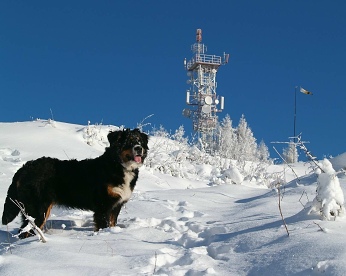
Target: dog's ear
{"type": "Point", "coordinates": [145, 139]}
{"type": "Point", "coordinates": [114, 136]}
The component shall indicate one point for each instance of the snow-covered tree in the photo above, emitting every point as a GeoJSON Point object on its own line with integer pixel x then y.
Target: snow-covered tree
{"type": "Point", "coordinates": [290, 154]}
{"type": "Point", "coordinates": [239, 143]}
{"type": "Point", "coordinates": [246, 148]}
{"type": "Point", "coordinates": [179, 136]}
{"type": "Point", "coordinates": [161, 132]}
{"type": "Point", "coordinates": [227, 139]}
{"type": "Point", "coordinates": [262, 152]}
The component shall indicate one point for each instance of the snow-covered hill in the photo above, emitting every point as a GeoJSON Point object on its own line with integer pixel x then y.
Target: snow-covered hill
{"type": "Point", "coordinates": [194, 224]}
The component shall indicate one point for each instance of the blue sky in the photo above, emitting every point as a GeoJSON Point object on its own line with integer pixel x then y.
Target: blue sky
{"type": "Point", "coordinates": [117, 62]}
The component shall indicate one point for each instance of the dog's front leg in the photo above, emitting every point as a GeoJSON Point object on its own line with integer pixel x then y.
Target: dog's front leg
{"type": "Point", "coordinates": [108, 215]}
{"type": "Point", "coordinates": [100, 220]}
{"type": "Point", "coordinates": [113, 217]}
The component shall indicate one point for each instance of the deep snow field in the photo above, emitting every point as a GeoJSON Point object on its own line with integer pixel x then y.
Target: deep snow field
{"type": "Point", "coordinates": [172, 225]}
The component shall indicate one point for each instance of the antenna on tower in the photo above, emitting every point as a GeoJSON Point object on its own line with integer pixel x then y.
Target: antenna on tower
{"type": "Point", "coordinates": [199, 35]}
{"type": "Point", "coordinates": [201, 96]}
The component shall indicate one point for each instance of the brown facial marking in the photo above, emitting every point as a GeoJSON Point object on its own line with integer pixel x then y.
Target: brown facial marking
{"type": "Point", "coordinates": [124, 154]}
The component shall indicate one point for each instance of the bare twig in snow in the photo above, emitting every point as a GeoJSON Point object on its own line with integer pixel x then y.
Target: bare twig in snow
{"type": "Point", "coordinates": [282, 217]}
{"type": "Point", "coordinates": [321, 228]}
{"type": "Point", "coordinates": [155, 262]}
{"type": "Point", "coordinates": [304, 192]}
{"type": "Point", "coordinates": [308, 154]}
{"type": "Point", "coordinates": [112, 250]}
{"type": "Point", "coordinates": [287, 163]}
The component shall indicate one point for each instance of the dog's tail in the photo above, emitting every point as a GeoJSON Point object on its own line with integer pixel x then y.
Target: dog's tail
{"type": "Point", "coordinates": [10, 209]}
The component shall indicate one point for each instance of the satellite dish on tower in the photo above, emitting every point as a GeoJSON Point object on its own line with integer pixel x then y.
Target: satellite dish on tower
{"type": "Point", "coordinates": [187, 113]}
{"type": "Point", "coordinates": [206, 109]}
{"type": "Point", "coordinates": [208, 100]}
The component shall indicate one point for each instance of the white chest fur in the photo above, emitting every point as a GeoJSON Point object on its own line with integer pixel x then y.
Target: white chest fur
{"type": "Point", "coordinates": [124, 190]}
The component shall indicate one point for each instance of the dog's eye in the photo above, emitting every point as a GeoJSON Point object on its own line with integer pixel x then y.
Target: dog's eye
{"type": "Point", "coordinates": [136, 141]}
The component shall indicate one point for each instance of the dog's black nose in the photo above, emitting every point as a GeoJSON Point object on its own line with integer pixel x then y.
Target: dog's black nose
{"type": "Point", "coordinates": [138, 149]}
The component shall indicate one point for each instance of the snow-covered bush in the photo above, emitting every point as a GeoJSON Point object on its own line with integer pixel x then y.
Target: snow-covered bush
{"type": "Point", "coordinates": [173, 155]}
{"type": "Point", "coordinates": [232, 175]}
{"type": "Point", "coordinates": [96, 134]}
{"type": "Point", "coordinates": [256, 172]}
{"type": "Point", "coordinates": [49, 122]}
{"type": "Point", "coordinates": [167, 156]}
{"type": "Point", "coordinates": [329, 201]}
{"type": "Point", "coordinates": [224, 163]}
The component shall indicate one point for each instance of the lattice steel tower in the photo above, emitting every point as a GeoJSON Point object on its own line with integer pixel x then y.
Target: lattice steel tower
{"type": "Point", "coordinates": [202, 97]}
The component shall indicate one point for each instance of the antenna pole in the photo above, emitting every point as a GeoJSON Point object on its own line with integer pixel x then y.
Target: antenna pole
{"type": "Point", "coordinates": [295, 114]}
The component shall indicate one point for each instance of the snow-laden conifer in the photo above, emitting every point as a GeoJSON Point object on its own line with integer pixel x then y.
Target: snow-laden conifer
{"type": "Point", "coordinates": [246, 147]}
{"type": "Point", "coordinates": [290, 154]}
{"type": "Point", "coordinates": [262, 152]}
{"type": "Point", "coordinates": [227, 139]}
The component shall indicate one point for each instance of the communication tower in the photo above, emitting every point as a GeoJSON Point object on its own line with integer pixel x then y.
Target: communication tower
{"type": "Point", "coordinates": [201, 96]}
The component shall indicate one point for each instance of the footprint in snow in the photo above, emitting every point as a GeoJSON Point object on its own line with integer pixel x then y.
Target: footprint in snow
{"type": "Point", "coordinates": [9, 155]}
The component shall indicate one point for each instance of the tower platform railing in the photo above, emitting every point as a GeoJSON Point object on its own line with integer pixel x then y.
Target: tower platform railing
{"type": "Point", "coordinates": [203, 59]}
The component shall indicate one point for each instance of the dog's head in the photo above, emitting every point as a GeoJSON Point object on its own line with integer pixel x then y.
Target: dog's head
{"type": "Point", "coordinates": [130, 146]}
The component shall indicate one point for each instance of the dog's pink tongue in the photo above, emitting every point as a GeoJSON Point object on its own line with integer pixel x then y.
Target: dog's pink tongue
{"type": "Point", "coordinates": [138, 159]}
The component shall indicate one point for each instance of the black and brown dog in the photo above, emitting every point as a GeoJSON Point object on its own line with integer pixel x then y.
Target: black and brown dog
{"type": "Point", "coordinates": [101, 185]}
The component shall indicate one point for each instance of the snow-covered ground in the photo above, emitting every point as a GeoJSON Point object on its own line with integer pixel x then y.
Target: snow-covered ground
{"type": "Point", "coordinates": [172, 225]}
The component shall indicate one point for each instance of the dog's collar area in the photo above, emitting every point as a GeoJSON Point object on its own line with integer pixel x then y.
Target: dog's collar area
{"type": "Point", "coordinates": [131, 166]}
